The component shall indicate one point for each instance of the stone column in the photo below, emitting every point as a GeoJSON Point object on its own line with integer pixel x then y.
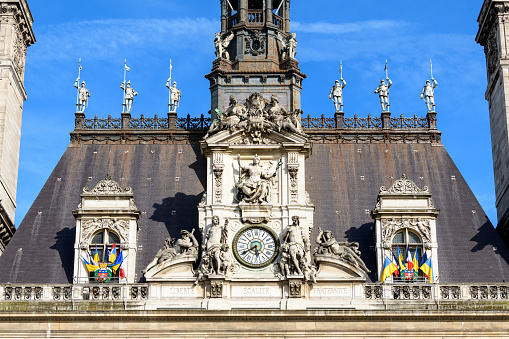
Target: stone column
{"type": "Point", "coordinates": [242, 11]}
{"type": "Point", "coordinates": [287, 16]}
{"type": "Point", "coordinates": [224, 16]}
{"type": "Point", "coordinates": [268, 12]}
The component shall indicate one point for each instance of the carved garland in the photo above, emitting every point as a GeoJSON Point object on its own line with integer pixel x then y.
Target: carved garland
{"type": "Point", "coordinates": [90, 227]}
{"type": "Point", "coordinates": [294, 190]}
{"type": "Point", "coordinates": [421, 226]}
{"type": "Point", "coordinates": [218, 184]}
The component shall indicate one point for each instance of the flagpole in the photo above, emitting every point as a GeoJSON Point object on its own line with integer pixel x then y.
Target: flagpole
{"type": "Point", "coordinates": [341, 70]}
{"type": "Point", "coordinates": [386, 70]}
{"type": "Point", "coordinates": [125, 85]}
{"type": "Point", "coordinates": [431, 65]}
{"type": "Point", "coordinates": [169, 93]}
{"type": "Point", "coordinates": [78, 86]}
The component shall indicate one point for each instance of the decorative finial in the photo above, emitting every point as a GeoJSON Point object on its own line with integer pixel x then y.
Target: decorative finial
{"type": "Point", "coordinates": [83, 93]}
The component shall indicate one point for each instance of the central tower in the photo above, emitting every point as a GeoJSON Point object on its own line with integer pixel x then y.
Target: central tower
{"type": "Point", "coordinates": [255, 52]}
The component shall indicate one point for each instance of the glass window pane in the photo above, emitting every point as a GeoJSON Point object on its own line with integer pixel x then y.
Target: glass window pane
{"type": "Point", "coordinates": [399, 238]}
{"type": "Point", "coordinates": [113, 238]}
{"type": "Point", "coordinates": [98, 238]}
{"type": "Point", "coordinates": [413, 238]}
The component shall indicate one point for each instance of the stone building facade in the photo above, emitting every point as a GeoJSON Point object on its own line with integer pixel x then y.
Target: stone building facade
{"type": "Point", "coordinates": [492, 35]}
{"type": "Point", "coordinates": [258, 222]}
{"type": "Point", "coordinates": [16, 36]}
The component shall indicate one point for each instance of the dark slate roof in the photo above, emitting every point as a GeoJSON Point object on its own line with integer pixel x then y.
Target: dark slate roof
{"type": "Point", "coordinates": [41, 250]}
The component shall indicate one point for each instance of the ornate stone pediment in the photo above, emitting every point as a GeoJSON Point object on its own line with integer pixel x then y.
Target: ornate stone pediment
{"type": "Point", "coordinates": [108, 186]}
{"type": "Point", "coordinates": [404, 186]}
{"type": "Point", "coordinates": [255, 122]}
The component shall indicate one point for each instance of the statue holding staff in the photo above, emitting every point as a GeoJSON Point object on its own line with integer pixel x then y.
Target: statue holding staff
{"type": "Point", "coordinates": [383, 91]}
{"type": "Point", "coordinates": [336, 92]}
{"type": "Point", "coordinates": [428, 92]}
{"type": "Point", "coordinates": [83, 93]}
{"type": "Point", "coordinates": [175, 93]}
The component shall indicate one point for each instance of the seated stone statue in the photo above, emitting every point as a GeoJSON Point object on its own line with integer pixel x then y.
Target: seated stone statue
{"type": "Point", "coordinates": [186, 245]}
{"type": "Point", "coordinates": [255, 183]}
{"type": "Point", "coordinates": [233, 118]}
{"type": "Point", "coordinates": [347, 251]}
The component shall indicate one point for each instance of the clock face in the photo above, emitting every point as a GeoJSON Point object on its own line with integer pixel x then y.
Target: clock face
{"type": "Point", "coordinates": [255, 246]}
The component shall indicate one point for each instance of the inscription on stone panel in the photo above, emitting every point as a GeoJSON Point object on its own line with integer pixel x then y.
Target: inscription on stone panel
{"type": "Point", "coordinates": [178, 292]}
{"type": "Point", "coordinates": [256, 292]}
{"type": "Point", "coordinates": [331, 292]}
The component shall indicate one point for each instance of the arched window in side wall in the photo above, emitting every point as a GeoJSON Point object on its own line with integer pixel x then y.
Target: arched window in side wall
{"type": "Point", "coordinates": [103, 241]}
{"type": "Point", "coordinates": [403, 239]}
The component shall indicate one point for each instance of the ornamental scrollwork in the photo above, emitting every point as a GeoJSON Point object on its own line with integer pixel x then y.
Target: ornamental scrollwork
{"type": "Point", "coordinates": [391, 226]}
{"type": "Point", "coordinates": [255, 44]}
{"type": "Point", "coordinates": [108, 186]}
{"type": "Point", "coordinates": [256, 117]}
{"type": "Point", "coordinates": [404, 186]}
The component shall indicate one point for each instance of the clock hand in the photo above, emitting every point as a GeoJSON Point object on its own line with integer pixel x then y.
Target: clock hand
{"type": "Point", "coordinates": [249, 249]}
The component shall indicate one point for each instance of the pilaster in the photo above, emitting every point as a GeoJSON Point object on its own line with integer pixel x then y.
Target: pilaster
{"type": "Point", "coordinates": [493, 35]}
{"type": "Point", "coordinates": [16, 35]}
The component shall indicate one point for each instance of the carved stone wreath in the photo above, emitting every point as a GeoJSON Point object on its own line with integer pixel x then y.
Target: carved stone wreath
{"type": "Point", "coordinates": [108, 186]}
{"type": "Point", "coordinates": [255, 44]}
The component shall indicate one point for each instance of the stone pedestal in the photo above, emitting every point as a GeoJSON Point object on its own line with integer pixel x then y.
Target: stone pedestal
{"type": "Point", "coordinates": [255, 213]}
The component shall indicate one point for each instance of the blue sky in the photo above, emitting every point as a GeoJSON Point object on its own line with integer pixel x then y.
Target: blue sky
{"type": "Point", "coordinates": [361, 34]}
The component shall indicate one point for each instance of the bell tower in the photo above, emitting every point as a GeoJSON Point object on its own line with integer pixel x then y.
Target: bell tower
{"type": "Point", "coordinates": [255, 52]}
{"type": "Point", "coordinates": [16, 35]}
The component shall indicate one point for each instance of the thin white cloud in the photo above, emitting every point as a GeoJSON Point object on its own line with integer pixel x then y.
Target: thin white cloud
{"type": "Point", "coordinates": [103, 38]}
{"type": "Point", "coordinates": [343, 28]}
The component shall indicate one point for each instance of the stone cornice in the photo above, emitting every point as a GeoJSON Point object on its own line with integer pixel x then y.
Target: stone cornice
{"type": "Point", "coordinates": [467, 314]}
{"type": "Point", "coordinates": [315, 135]}
{"type": "Point", "coordinates": [21, 12]}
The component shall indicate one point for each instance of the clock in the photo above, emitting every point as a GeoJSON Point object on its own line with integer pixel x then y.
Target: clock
{"type": "Point", "coordinates": [256, 246]}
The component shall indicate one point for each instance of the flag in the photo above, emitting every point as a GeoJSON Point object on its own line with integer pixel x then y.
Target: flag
{"type": "Point", "coordinates": [96, 255]}
{"type": "Point", "coordinates": [401, 261]}
{"type": "Point", "coordinates": [113, 254]}
{"type": "Point", "coordinates": [90, 267]}
{"type": "Point", "coordinates": [90, 258]}
{"type": "Point", "coordinates": [416, 263]}
{"type": "Point", "coordinates": [118, 262]}
{"type": "Point", "coordinates": [389, 269]}
{"type": "Point", "coordinates": [427, 268]}
{"type": "Point", "coordinates": [125, 66]}
{"type": "Point", "coordinates": [395, 261]}
{"type": "Point", "coordinates": [409, 260]}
